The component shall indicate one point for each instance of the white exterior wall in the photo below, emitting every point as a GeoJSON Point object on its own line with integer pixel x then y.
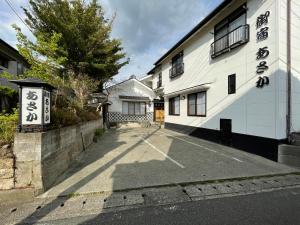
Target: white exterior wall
{"type": "Point", "coordinates": [253, 111]}
{"type": "Point", "coordinates": [155, 80]}
{"type": "Point", "coordinates": [131, 87]}
{"type": "Point", "coordinates": [295, 54]}
{"type": "Point", "coordinates": [13, 67]}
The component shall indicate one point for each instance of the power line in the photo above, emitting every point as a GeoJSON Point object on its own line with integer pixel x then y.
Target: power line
{"type": "Point", "coordinates": [15, 11]}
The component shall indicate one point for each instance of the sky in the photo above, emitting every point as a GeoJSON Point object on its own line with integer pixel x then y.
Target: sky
{"type": "Point", "coordinates": [147, 28]}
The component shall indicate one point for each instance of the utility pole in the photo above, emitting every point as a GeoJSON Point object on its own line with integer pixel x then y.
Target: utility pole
{"type": "Point", "coordinates": [289, 74]}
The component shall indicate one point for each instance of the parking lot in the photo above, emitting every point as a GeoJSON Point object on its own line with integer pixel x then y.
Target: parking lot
{"type": "Point", "coordinates": [125, 159]}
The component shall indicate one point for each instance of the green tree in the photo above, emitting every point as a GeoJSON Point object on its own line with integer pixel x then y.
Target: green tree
{"type": "Point", "coordinates": [84, 40]}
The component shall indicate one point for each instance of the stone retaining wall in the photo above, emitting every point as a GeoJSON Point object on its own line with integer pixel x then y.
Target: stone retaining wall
{"type": "Point", "coordinates": [6, 173]}
{"type": "Point", "coordinates": [42, 157]}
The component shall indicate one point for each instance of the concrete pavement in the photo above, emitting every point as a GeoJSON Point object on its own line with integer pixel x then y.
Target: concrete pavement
{"type": "Point", "coordinates": [125, 159]}
{"type": "Point", "coordinates": [131, 168]}
{"type": "Point", "coordinates": [91, 209]}
{"type": "Point", "coordinates": [279, 207]}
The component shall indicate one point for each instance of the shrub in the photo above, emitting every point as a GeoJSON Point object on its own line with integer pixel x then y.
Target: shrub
{"type": "Point", "coordinates": [8, 124]}
{"type": "Point", "coordinates": [87, 115]}
{"type": "Point", "coordinates": [64, 117]}
{"type": "Point", "coordinates": [9, 99]}
{"type": "Point", "coordinates": [71, 116]}
{"type": "Point", "coordinates": [99, 132]}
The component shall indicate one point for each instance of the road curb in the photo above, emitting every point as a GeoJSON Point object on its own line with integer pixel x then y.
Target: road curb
{"type": "Point", "coordinates": [182, 184]}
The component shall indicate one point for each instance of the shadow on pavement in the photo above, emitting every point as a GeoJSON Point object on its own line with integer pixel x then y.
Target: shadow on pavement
{"type": "Point", "coordinates": [58, 202]}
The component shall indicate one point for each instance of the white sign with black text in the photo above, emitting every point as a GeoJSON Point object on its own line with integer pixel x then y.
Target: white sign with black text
{"type": "Point", "coordinates": [31, 106]}
{"type": "Point", "coordinates": [46, 107]}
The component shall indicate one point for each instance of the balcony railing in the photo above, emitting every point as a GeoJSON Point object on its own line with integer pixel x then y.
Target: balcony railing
{"type": "Point", "coordinates": [231, 40]}
{"type": "Point", "coordinates": [176, 70]}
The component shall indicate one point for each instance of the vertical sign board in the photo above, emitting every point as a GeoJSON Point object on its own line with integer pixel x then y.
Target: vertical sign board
{"type": "Point", "coordinates": [32, 106]}
{"type": "Point", "coordinates": [35, 102]}
{"type": "Point", "coordinates": [46, 107]}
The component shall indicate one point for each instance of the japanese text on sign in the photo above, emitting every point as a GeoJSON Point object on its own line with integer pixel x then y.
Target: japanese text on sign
{"type": "Point", "coordinates": [262, 53]}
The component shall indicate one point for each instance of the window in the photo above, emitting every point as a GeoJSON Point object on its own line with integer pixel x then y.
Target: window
{"type": "Point", "coordinates": [231, 84]}
{"type": "Point", "coordinates": [3, 62]}
{"type": "Point", "coordinates": [177, 59]}
{"type": "Point", "coordinates": [177, 65]}
{"type": "Point", "coordinates": [197, 104]}
{"type": "Point", "coordinates": [20, 69]}
{"type": "Point", "coordinates": [159, 82]}
{"type": "Point", "coordinates": [232, 22]}
{"type": "Point", "coordinates": [134, 108]}
{"type": "Point", "coordinates": [231, 32]}
{"type": "Point", "coordinates": [174, 106]}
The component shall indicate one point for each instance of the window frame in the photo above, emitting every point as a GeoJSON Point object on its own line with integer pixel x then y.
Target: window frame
{"type": "Point", "coordinates": [230, 92]}
{"type": "Point", "coordinates": [134, 108]}
{"type": "Point", "coordinates": [159, 82]}
{"type": "Point", "coordinates": [172, 111]}
{"type": "Point", "coordinates": [20, 68]}
{"type": "Point", "coordinates": [177, 59]}
{"type": "Point", "coordinates": [188, 108]}
{"type": "Point", "coordinates": [225, 23]}
{"type": "Point", "coordinates": [177, 64]}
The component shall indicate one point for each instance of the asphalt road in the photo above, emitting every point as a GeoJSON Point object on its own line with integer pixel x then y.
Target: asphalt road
{"type": "Point", "coordinates": [277, 207]}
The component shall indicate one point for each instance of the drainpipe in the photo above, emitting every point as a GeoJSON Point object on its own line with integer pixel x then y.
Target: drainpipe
{"type": "Point", "coordinates": [289, 74]}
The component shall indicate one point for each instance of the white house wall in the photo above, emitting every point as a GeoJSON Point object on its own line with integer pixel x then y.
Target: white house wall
{"type": "Point", "coordinates": [130, 88]}
{"type": "Point", "coordinates": [253, 111]}
{"type": "Point", "coordinates": [155, 80]}
{"type": "Point", "coordinates": [295, 54]}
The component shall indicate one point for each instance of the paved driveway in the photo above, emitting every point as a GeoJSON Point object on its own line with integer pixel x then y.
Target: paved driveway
{"type": "Point", "coordinates": [142, 157]}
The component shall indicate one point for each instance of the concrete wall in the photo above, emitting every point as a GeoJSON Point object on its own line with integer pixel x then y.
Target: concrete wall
{"type": "Point", "coordinates": [42, 157]}
{"type": "Point", "coordinates": [254, 111]}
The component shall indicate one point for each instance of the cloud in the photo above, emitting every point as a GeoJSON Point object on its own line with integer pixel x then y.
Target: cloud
{"type": "Point", "coordinates": [149, 28]}
{"type": "Point", "coordinates": [8, 18]}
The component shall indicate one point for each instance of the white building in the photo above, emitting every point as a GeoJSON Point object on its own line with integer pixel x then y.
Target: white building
{"type": "Point", "coordinates": [227, 80]}
{"type": "Point", "coordinates": [130, 101]}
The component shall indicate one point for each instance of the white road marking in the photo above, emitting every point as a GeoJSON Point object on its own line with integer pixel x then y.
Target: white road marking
{"type": "Point", "coordinates": [201, 146]}
{"type": "Point", "coordinates": [164, 154]}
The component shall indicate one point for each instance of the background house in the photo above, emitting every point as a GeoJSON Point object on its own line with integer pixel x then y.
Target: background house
{"type": "Point", "coordinates": [12, 62]}
{"type": "Point", "coordinates": [130, 101]}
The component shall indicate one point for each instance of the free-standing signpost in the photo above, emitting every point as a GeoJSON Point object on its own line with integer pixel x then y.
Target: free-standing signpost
{"type": "Point", "coordinates": [35, 105]}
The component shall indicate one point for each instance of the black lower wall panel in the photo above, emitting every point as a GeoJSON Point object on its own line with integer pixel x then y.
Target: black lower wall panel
{"type": "Point", "coordinates": [262, 146]}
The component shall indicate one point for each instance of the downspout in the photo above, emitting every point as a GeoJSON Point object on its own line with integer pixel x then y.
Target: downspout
{"type": "Point", "coordinates": [289, 74]}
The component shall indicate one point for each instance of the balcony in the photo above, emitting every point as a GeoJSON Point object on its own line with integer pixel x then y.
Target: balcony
{"type": "Point", "coordinates": [176, 70]}
{"type": "Point", "coordinates": [231, 40]}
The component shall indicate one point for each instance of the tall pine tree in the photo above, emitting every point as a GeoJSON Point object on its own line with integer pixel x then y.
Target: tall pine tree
{"type": "Point", "coordinates": [85, 40]}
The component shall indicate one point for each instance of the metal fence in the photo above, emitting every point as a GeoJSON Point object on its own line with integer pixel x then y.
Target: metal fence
{"type": "Point", "coordinates": [234, 38]}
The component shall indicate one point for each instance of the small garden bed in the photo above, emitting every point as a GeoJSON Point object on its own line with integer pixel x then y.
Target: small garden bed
{"type": "Point", "coordinates": [8, 124]}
